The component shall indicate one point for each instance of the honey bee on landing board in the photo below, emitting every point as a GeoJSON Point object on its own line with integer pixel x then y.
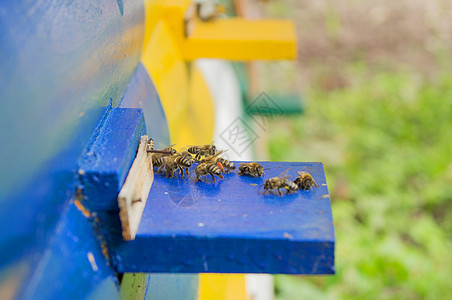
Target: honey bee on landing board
{"type": "Point", "coordinates": [204, 150]}
{"type": "Point", "coordinates": [203, 169]}
{"type": "Point", "coordinates": [183, 163]}
{"type": "Point", "coordinates": [279, 182]}
{"type": "Point", "coordinates": [222, 163]}
{"type": "Point", "coordinates": [251, 169]}
{"type": "Point", "coordinates": [168, 164]}
{"type": "Point", "coordinates": [157, 154]}
{"type": "Point", "coordinates": [184, 153]}
{"type": "Point", "coordinates": [170, 150]}
{"type": "Point", "coordinates": [304, 181]}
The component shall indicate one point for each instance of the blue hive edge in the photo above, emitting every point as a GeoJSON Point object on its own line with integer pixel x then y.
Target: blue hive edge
{"type": "Point", "coordinates": [105, 163]}
{"type": "Point", "coordinates": [231, 227]}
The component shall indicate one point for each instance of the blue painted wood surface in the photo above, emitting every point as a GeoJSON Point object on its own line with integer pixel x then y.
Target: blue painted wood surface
{"type": "Point", "coordinates": [105, 163]}
{"type": "Point", "coordinates": [62, 63]}
{"type": "Point", "coordinates": [73, 266]}
{"type": "Point", "coordinates": [141, 93]}
{"type": "Point", "coordinates": [204, 227]}
{"type": "Point", "coordinates": [230, 227]}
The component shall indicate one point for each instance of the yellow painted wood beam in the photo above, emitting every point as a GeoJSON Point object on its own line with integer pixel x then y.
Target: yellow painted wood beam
{"type": "Point", "coordinates": [240, 39]}
{"type": "Point", "coordinates": [230, 38]}
{"type": "Point", "coordinates": [222, 287]}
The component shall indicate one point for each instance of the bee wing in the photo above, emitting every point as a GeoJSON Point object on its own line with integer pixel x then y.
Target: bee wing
{"type": "Point", "coordinates": [284, 177]}
{"type": "Point", "coordinates": [284, 172]}
{"type": "Point", "coordinates": [219, 152]}
{"type": "Point", "coordinates": [210, 158]}
{"type": "Point", "coordinates": [169, 147]}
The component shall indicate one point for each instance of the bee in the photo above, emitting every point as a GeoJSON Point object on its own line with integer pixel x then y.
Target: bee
{"type": "Point", "coordinates": [304, 181]}
{"type": "Point", "coordinates": [222, 163]}
{"type": "Point", "coordinates": [184, 152]}
{"type": "Point", "coordinates": [166, 151]}
{"type": "Point", "coordinates": [169, 150]}
{"type": "Point", "coordinates": [251, 169]}
{"type": "Point", "coordinates": [167, 163]}
{"type": "Point", "coordinates": [229, 165]}
{"type": "Point", "coordinates": [183, 163]}
{"type": "Point", "coordinates": [157, 154]}
{"type": "Point", "coordinates": [150, 145]}
{"type": "Point", "coordinates": [204, 150]}
{"type": "Point", "coordinates": [208, 11]}
{"type": "Point", "coordinates": [203, 169]}
{"type": "Point", "coordinates": [279, 182]}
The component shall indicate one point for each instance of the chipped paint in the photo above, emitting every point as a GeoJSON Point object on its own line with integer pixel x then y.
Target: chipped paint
{"type": "Point", "coordinates": [100, 237]}
{"type": "Point", "coordinates": [92, 261]}
{"type": "Point", "coordinates": [287, 235]}
{"type": "Point", "coordinates": [82, 209]}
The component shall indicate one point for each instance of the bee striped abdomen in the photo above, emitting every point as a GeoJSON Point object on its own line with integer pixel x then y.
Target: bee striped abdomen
{"type": "Point", "coordinates": [226, 163]}
{"type": "Point", "coordinates": [161, 161]}
{"type": "Point", "coordinates": [150, 145]}
{"type": "Point", "coordinates": [213, 169]}
{"type": "Point", "coordinates": [183, 162]}
{"type": "Point", "coordinates": [193, 150]}
{"type": "Point", "coordinates": [212, 150]}
{"type": "Point", "coordinates": [291, 186]}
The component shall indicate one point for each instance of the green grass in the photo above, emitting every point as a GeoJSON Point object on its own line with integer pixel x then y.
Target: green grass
{"type": "Point", "coordinates": [386, 142]}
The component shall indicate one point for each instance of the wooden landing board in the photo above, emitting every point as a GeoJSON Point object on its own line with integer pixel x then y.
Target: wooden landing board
{"type": "Point", "coordinates": [134, 193]}
{"type": "Point", "coordinates": [230, 227]}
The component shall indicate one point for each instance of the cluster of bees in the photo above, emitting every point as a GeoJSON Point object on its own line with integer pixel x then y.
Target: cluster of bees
{"type": "Point", "coordinates": [168, 160]}
{"type": "Point", "coordinates": [304, 181]}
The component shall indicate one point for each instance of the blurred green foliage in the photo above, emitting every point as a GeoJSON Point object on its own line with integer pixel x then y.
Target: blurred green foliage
{"type": "Point", "coordinates": [386, 141]}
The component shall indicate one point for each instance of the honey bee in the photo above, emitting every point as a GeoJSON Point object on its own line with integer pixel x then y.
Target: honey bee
{"type": "Point", "coordinates": [157, 154]}
{"type": "Point", "coordinates": [167, 163]}
{"type": "Point", "coordinates": [279, 182]}
{"type": "Point", "coordinates": [203, 169]}
{"type": "Point", "coordinates": [169, 150]}
{"type": "Point", "coordinates": [184, 152]}
{"type": "Point", "coordinates": [226, 163]}
{"type": "Point", "coordinates": [222, 163]}
{"type": "Point", "coordinates": [150, 145]}
{"type": "Point", "coordinates": [304, 181]}
{"type": "Point", "coordinates": [204, 150]}
{"type": "Point", "coordinates": [183, 163]}
{"type": "Point", "coordinates": [251, 169]}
